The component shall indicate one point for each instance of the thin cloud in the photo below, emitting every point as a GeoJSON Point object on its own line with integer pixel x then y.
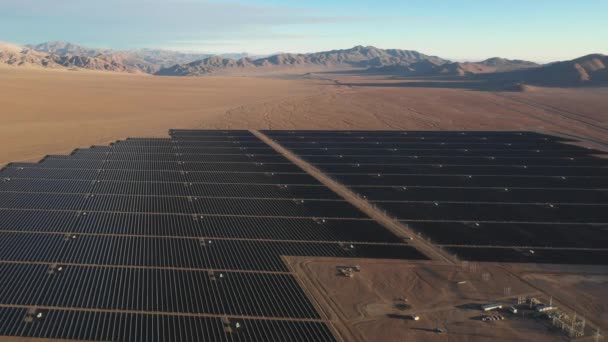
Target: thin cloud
{"type": "Point", "coordinates": [183, 13]}
{"type": "Point", "coordinates": [162, 22]}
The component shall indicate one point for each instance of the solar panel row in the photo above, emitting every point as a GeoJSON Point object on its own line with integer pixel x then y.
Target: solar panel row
{"type": "Point", "coordinates": [485, 181]}
{"type": "Point", "coordinates": [307, 229]}
{"type": "Point", "coordinates": [167, 189]}
{"type": "Point", "coordinates": [212, 141]}
{"type": "Point", "coordinates": [470, 152]}
{"type": "Point", "coordinates": [154, 290]}
{"type": "Point", "coordinates": [481, 194]}
{"type": "Point", "coordinates": [165, 165]}
{"type": "Point", "coordinates": [445, 159]}
{"type": "Point", "coordinates": [514, 234]}
{"type": "Point", "coordinates": [160, 176]}
{"type": "Point", "coordinates": [173, 157]}
{"type": "Point", "coordinates": [420, 145]}
{"type": "Point", "coordinates": [180, 205]}
{"type": "Point", "coordinates": [124, 326]}
{"type": "Point", "coordinates": [509, 170]}
{"type": "Point", "coordinates": [421, 134]}
{"type": "Point", "coordinates": [188, 149]}
{"type": "Point", "coordinates": [185, 253]}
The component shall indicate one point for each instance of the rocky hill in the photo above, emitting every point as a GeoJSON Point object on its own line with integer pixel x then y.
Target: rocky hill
{"type": "Point", "coordinates": [500, 73]}
{"type": "Point", "coordinates": [206, 66]}
{"type": "Point", "coordinates": [587, 69]}
{"type": "Point", "coordinates": [65, 48]}
{"type": "Point", "coordinates": [429, 67]}
{"type": "Point", "coordinates": [359, 56]}
{"type": "Point", "coordinates": [13, 55]}
{"type": "Point", "coordinates": [100, 63]}
{"type": "Point", "coordinates": [491, 65]}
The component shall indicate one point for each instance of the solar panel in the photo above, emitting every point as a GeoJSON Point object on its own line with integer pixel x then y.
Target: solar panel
{"type": "Point", "coordinates": [238, 227]}
{"type": "Point", "coordinates": [485, 196]}
{"type": "Point", "coordinates": [181, 252]}
{"type": "Point", "coordinates": [172, 239]}
{"type": "Point", "coordinates": [183, 238]}
{"type": "Point", "coordinates": [126, 326]}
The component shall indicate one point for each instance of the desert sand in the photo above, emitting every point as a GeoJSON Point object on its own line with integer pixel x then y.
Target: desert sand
{"type": "Point", "coordinates": [45, 112]}
{"type": "Point", "coordinates": [48, 112]}
{"type": "Point", "coordinates": [587, 293]}
{"type": "Point", "coordinates": [377, 303]}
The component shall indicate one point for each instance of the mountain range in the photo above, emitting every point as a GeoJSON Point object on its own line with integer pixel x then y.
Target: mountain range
{"type": "Point", "coordinates": [26, 57]}
{"type": "Point", "coordinates": [145, 60]}
{"type": "Point", "coordinates": [491, 65]}
{"type": "Point", "coordinates": [586, 70]}
{"type": "Point", "coordinates": [357, 57]}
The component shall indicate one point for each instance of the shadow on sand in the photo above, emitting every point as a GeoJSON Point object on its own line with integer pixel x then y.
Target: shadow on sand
{"type": "Point", "coordinates": [401, 81]}
{"type": "Point", "coordinates": [506, 82]}
{"type": "Point", "coordinates": [469, 306]}
{"type": "Point", "coordinates": [433, 330]}
{"type": "Point", "coordinates": [466, 85]}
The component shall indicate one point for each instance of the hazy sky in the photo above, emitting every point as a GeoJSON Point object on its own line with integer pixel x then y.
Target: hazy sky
{"type": "Point", "coordinates": [538, 30]}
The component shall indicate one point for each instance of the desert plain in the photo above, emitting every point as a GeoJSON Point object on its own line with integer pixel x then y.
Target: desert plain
{"type": "Point", "coordinates": [54, 111]}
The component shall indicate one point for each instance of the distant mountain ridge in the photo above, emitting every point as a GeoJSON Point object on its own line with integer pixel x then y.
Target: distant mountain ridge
{"type": "Point", "coordinates": [490, 65]}
{"type": "Point", "coordinates": [145, 60]}
{"type": "Point", "coordinates": [432, 68]}
{"type": "Point", "coordinates": [26, 57]}
{"type": "Point", "coordinates": [357, 57]}
{"type": "Point", "coordinates": [587, 70]}
{"type": "Point", "coordinates": [101, 62]}
{"type": "Point", "coordinates": [206, 66]}
{"type": "Point", "coordinates": [18, 56]}
{"type": "Point", "coordinates": [65, 48]}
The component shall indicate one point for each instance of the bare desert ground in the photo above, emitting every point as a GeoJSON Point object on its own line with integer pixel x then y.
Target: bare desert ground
{"type": "Point", "coordinates": [585, 292]}
{"type": "Point", "coordinates": [44, 111]}
{"type": "Point", "coordinates": [378, 302]}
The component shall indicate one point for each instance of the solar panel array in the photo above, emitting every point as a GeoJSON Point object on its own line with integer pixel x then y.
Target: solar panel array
{"type": "Point", "coordinates": [484, 196]}
{"type": "Point", "coordinates": [171, 239]}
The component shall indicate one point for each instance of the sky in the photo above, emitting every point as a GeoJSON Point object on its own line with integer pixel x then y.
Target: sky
{"type": "Point", "coordinates": [536, 30]}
